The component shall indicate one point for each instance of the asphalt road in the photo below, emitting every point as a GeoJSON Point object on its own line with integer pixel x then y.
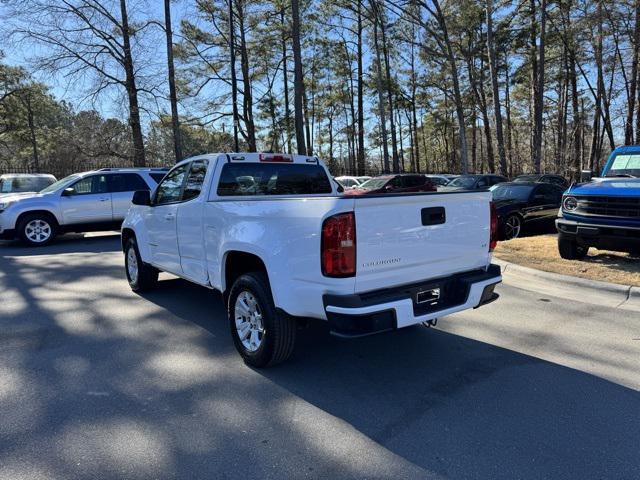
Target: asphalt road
{"type": "Point", "coordinates": [98, 383]}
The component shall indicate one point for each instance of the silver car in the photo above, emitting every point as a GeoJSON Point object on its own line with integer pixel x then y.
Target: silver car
{"type": "Point", "coordinates": [89, 201]}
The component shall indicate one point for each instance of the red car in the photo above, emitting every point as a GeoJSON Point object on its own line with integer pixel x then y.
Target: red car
{"type": "Point", "coordinates": [400, 183]}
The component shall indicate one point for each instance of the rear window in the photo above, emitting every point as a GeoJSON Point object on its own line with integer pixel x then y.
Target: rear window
{"type": "Point", "coordinates": [242, 179]}
{"type": "Point", "coordinates": [127, 182]}
{"type": "Point", "coordinates": [24, 184]}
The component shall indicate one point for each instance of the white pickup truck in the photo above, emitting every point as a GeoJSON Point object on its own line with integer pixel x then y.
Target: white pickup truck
{"type": "Point", "coordinates": [280, 240]}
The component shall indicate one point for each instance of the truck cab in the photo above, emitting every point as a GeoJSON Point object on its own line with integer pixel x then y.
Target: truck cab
{"type": "Point", "coordinates": [603, 212]}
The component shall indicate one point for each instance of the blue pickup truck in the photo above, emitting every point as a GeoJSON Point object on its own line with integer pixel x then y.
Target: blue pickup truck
{"type": "Point", "coordinates": [603, 212]}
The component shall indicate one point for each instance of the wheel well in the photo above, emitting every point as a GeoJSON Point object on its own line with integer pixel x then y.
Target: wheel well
{"type": "Point", "coordinates": [127, 233]}
{"type": "Point", "coordinates": [239, 263]}
{"type": "Point", "coordinates": [45, 213]}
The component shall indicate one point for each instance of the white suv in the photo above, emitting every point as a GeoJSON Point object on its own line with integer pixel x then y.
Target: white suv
{"type": "Point", "coordinates": [82, 202]}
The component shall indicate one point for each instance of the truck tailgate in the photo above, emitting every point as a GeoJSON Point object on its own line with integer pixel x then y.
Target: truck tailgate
{"type": "Point", "coordinates": [403, 239]}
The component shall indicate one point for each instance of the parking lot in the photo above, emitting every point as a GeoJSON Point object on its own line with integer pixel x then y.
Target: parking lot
{"type": "Point", "coordinates": [97, 382]}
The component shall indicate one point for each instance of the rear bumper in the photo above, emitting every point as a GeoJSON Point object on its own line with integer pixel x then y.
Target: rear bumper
{"type": "Point", "coordinates": [389, 309]}
{"type": "Point", "coordinates": [604, 237]}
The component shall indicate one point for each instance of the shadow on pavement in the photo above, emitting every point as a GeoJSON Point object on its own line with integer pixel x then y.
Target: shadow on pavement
{"type": "Point", "coordinates": [69, 243]}
{"type": "Point", "coordinates": [452, 405]}
{"type": "Point", "coordinates": [118, 385]}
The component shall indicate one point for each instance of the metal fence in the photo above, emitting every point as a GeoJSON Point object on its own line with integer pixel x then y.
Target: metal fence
{"type": "Point", "coordinates": [61, 171]}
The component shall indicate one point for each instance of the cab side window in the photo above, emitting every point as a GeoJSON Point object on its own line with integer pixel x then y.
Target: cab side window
{"type": "Point", "coordinates": [170, 189]}
{"type": "Point", "coordinates": [195, 179]}
{"type": "Point", "coordinates": [91, 185]}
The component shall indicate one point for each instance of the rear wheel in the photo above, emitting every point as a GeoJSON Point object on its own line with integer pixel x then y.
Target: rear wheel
{"type": "Point", "coordinates": [37, 229]}
{"type": "Point", "coordinates": [570, 250]}
{"type": "Point", "coordinates": [141, 276]}
{"type": "Point", "coordinates": [262, 335]}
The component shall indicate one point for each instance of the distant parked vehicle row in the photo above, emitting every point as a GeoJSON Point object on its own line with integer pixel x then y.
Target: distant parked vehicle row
{"type": "Point", "coordinates": [473, 182]}
{"type": "Point", "coordinates": [90, 201]}
{"type": "Point", "coordinates": [13, 183]}
{"type": "Point", "coordinates": [399, 183]}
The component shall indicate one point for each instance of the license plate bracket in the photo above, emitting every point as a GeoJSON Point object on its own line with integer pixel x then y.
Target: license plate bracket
{"type": "Point", "coordinates": [429, 296]}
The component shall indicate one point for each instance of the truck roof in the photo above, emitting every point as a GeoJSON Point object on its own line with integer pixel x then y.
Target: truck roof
{"type": "Point", "coordinates": [269, 157]}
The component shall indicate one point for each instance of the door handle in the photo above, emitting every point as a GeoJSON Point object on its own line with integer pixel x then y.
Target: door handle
{"type": "Point", "coordinates": [169, 216]}
{"type": "Point", "coordinates": [104, 199]}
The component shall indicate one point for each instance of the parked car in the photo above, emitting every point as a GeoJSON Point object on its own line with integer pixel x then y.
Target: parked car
{"type": "Point", "coordinates": [12, 183]}
{"type": "Point", "coordinates": [399, 183]}
{"type": "Point", "coordinates": [544, 178]}
{"type": "Point", "coordinates": [90, 201]}
{"type": "Point", "coordinates": [523, 205]}
{"type": "Point", "coordinates": [348, 182]}
{"type": "Point", "coordinates": [473, 182]}
{"type": "Point", "coordinates": [291, 247]}
{"type": "Point", "coordinates": [438, 180]}
{"type": "Point", "coordinates": [604, 212]}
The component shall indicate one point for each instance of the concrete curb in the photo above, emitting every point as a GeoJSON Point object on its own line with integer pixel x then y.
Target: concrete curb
{"type": "Point", "coordinates": [595, 292]}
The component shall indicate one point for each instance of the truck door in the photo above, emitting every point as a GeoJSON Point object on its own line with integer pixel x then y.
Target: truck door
{"type": "Point", "coordinates": [161, 222]}
{"type": "Point", "coordinates": [190, 221]}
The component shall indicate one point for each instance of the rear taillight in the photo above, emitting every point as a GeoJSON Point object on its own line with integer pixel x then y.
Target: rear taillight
{"type": "Point", "coordinates": [338, 246]}
{"type": "Point", "coordinates": [493, 242]}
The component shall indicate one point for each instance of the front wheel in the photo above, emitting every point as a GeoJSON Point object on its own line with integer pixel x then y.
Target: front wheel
{"type": "Point", "coordinates": [570, 250]}
{"type": "Point", "coordinates": [141, 276]}
{"type": "Point", "coordinates": [262, 335]}
{"type": "Point", "coordinates": [37, 230]}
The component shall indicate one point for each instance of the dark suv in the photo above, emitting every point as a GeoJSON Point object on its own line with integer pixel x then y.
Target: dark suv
{"type": "Point", "coordinates": [546, 178]}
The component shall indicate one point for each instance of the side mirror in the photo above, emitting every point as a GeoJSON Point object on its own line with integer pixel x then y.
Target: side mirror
{"type": "Point", "coordinates": [142, 197]}
{"type": "Point", "coordinates": [388, 188]}
{"type": "Point", "coordinates": [68, 192]}
{"type": "Point", "coordinates": [586, 176]}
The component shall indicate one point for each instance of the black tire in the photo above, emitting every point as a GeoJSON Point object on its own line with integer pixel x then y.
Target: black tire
{"type": "Point", "coordinates": [507, 231]}
{"type": "Point", "coordinates": [570, 250]}
{"type": "Point", "coordinates": [279, 329]}
{"type": "Point", "coordinates": [146, 277]}
{"type": "Point", "coordinates": [43, 234]}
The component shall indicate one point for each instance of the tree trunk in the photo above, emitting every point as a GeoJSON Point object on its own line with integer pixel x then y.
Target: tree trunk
{"type": "Point", "coordinates": [32, 133]}
{"type": "Point", "coordinates": [633, 82]}
{"type": "Point", "coordinates": [132, 91]}
{"type": "Point", "coordinates": [234, 78]}
{"type": "Point", "coordinates": [493, 68]}
{"type": "Point", "coordinates": [360, 161]}
{"type": "Point", "coordinates": [537, 80]}
{"type": "Point", "coordinates": [381, 109]}
{"type": "Point", "coordinates": [298, 86]}
{"type": "Point", "coordinates": [389, 88]}
{"type": "Point", "coordinates": [594, 154]}
{"type": "Point", "coordinates": [507, 100]}
{"type": "Point", "coordinates": [247, 97]}
{"type": "Point", "coordinates": [173, 98]}
{"type": "Point", "coordinates": [285, 82]}
{"type": "Point", "coordinates": [451, 59]}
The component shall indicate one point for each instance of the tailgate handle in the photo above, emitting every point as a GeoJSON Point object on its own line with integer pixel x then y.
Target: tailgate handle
{"type": "Point", "coordinates": [433, 216]}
